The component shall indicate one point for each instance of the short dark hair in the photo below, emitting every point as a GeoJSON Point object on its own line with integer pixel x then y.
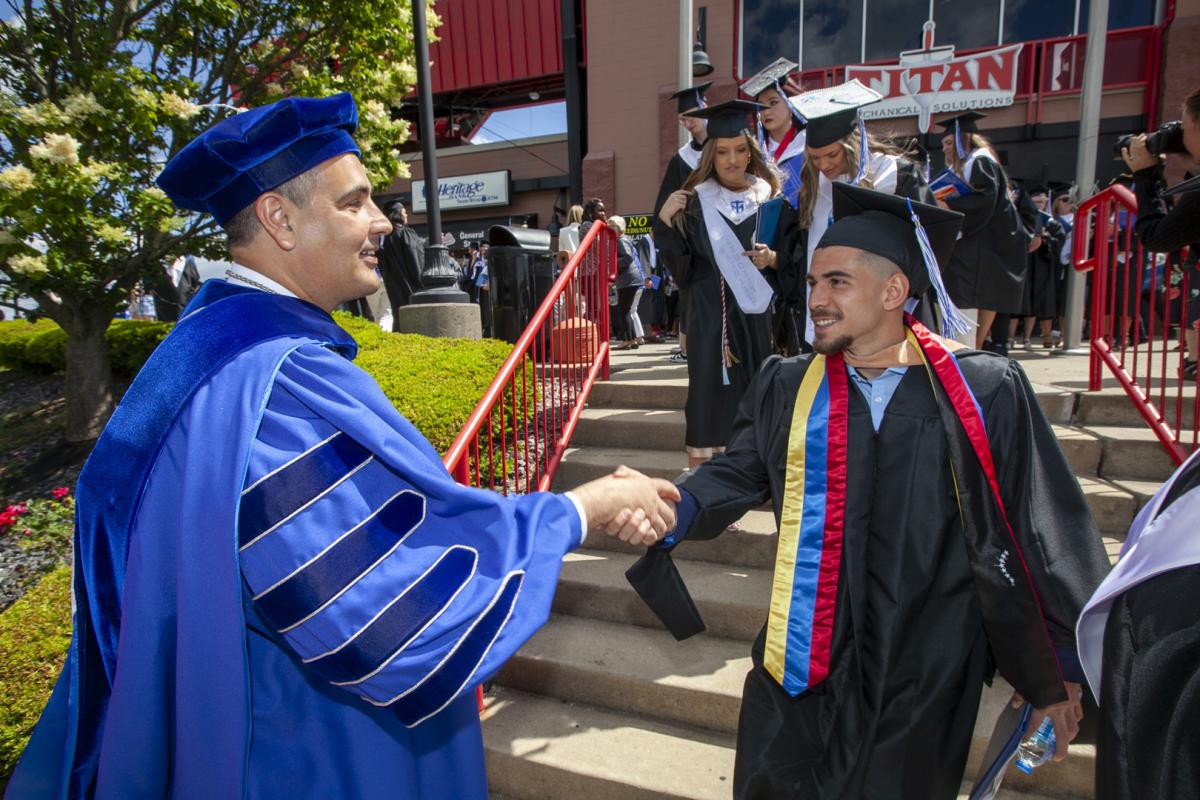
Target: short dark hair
{"type": "Point", "coordinates": [589, 208]}
{"type": "Point", "coordinates": [241, 229]}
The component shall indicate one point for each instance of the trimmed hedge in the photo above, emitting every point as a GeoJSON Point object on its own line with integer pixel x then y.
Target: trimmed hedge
{"type": "Point", "coordinates": [35, 633]}
{"type": "Point", "coordinates": [435, 383]}
{"type": "Point", "coordinates": [42, 347]}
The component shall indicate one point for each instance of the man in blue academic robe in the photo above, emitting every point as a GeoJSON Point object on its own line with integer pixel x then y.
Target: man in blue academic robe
{"type": "Point", "coordinates": [279, 590]}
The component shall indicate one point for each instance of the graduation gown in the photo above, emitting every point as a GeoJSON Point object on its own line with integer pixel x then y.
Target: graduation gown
{"type": "Point", "coordinates": [910, 643]}
{"type": "Point", "coordinates": [689, 257]}
{"type": "Point", "coordinates": [679, 169]}
{"type": "Point", "coordinates": [1140, 645]}
{"type": "Point", "coordinates": [280, 592]}
{"type": "Point", "coordinates": [1044, 285]}
{"type": "Point", "coordinates": [400, 264]}
{"type": "Point", "coordinates": [988, 267]}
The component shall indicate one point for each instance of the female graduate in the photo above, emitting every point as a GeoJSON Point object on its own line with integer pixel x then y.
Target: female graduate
{"type": "Point", "coordinates": [839, 150]}
{"type": "Point", "coordinates": [780, 127]}
{"type": "Point", "coordinates": [986, 274]}
{"type": "Point", "coordinates": [708, 240]}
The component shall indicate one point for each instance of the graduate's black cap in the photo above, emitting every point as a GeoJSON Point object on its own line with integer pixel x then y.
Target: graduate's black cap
{"type": "Point", "coordinates": [832, 114]}
{"type": "Point", "coordinates": [1037, 188]}
{"type": "Point", "coordinates": [1058, 189]}
{"type": "Point", "coordinates": [966, 122]}
{"type": "Point", "coordinates": [768, 77]}
{"type": "Point", "coordinates": [691, 97]}
{"type": "Point", "coordinates": [729, 119]}
{"type": "Point", "coordinates": [881, 223]}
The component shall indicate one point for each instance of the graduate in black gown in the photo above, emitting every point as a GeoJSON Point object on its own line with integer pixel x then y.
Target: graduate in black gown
{"type": "Point", "coordinates": [1140, 646]}
{"type": "Point", "coordinates": [709, 236]}
{"type": "Point", "coordinates": [840, 150]}
{"type": "Point", "coordinates": [986, 275]}
{"type": "Point", "coordinates": [401, 260]}
{"type": "Point", "coordinates": [687, 158]}
{"type": "Point", "coordinates": [1044, 285]}
{"type": "Point", "coordinates": [931, 533]}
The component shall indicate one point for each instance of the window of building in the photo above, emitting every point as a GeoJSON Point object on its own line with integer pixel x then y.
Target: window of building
{"type": "Point", "coordinates": [1025, 20]}
{"type": "Point", "coordinates": [771, 29]}
{"type": "Point", "coordinates": [964, 25]}
{"type": "Point", "coordinates": [890, 27]}
{"type": "Point", "coordinates": [828, 33]}
{"type": "Point", "coordinates": [522, 122]}
{"type": "Point", "coordinates": [832, 33]}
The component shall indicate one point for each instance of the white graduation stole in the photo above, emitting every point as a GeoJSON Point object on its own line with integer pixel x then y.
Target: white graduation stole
{"type": "Point", "coordinates": [750, 288]}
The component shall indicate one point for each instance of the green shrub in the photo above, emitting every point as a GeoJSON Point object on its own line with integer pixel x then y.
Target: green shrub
{"type": "Point", "coordinates": [42, 347]}
{"type": "Point", "coordinates": [35, 633]}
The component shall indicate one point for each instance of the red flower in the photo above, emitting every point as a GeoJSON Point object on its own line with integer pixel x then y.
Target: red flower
{"type": "Point", "coordinates": [17, 510]}
{"type": "Point", "coordinates": [60, 492]}
{"type": "Point", "coordinates": [7, 518]}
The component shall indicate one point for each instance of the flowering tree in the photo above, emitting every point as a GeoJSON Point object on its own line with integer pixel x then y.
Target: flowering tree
{"type": "Point", "coordinates": [96, 96]}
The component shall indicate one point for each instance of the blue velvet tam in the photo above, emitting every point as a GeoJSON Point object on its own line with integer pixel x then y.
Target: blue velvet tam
{"type": "Point", "coordinates": [227, 167]}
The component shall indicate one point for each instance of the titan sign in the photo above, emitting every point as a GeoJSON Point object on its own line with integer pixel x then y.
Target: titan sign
{"type": "Point", "coordinates": [933, 81]}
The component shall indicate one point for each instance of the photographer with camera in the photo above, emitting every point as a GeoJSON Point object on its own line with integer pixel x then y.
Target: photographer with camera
{"type": "Point", "coordinates": [1161, 229]}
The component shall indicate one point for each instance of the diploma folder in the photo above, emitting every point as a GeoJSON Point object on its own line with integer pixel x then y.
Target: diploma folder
{"type": "Point", "coordinates": [1001, 750]}
{"type": "Point", "coordinates": [768, 221]}
{"type": "Point", "coordinates": [947, 184]}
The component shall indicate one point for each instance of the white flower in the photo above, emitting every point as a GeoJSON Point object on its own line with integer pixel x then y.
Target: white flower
{"type": "Point", "coordinates": [273, 89]}
{"type": "Point", "coordinates": [145, 98]}
{"type": "Point", "coordinates": [59, 148]}
{"type": "Point", "coordinates": [299, 71]}
{"type": "Point", "coordinates": [95, 170]}
{"type": "Point", "coordinates": [176, 106]}
{"type": "Point", "coordinates": [25, 264]}
{"type": "Point", "coordinates": [78, 106]}
{"type": "Point", "coordinates": [111, 234]}
{"type": "Point", "coordinates": [17, 178]}
{"type": "Point", "coordinates": [374, 112]}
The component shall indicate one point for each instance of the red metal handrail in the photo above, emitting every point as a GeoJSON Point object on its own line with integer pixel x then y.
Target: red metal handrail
{"type": "Point", "coordinates": [1126, 321]}
{"type": "Point", "coordinates": [516, 436]}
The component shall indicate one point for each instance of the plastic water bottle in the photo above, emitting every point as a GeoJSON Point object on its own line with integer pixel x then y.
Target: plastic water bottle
{"type": "Point", "coordinates": [1038, 748]}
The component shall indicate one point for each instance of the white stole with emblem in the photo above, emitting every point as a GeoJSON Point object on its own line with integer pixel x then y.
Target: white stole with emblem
{"type": "Point", "coordinates": [722, 209]}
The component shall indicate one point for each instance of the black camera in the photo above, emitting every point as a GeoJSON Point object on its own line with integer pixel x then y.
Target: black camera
{"type": "Point", "coordinates": [1167, 139]}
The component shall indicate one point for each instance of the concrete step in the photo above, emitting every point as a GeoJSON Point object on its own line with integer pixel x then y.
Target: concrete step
{"type": "Point", "coordinates": [663, 429]}
{"type": "Point", "coordinates": [1057, 404]}
{"type": "Point", "coordinates": [1142, 491]}
{"type": "Point", "coordinates": [1112, 506]}
{"type": "Point", "coordinates": [540, 748]}
{"type": "Point", "coordinates": [636, 389]}
{"type": "Point", "coordinates": [1131, 453]}
{"type": "Point", "coordinates": [580, 464]}
{"type": "Point", "coordinates": [1112, 406]}
{"type": "Point", "coordinates": [731, 600]}
{"type": "Point", "coordinates": [752, 546]}
{"type": "Point", "coordinates": [626, 668]}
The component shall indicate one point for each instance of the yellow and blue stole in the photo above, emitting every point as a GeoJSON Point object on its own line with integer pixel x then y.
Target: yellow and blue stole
{"type": "Point", "coordinates": [800, 624]}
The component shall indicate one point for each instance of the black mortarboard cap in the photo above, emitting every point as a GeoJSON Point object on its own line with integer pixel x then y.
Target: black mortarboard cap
{"type": "Point", "coordinates": [691, 97]}
{"type": "Point", "coordinates": [882, 223]}
{"type": "Point", "coordinates": [1037, 188]}
{"type": "Point", "coordinates": [1058, 189]}
{"type": "Point", "coordinates": [729, 119]}
{"type": "Point", "coordinates": [768, 76]}
{"type": "Point", "coordinates": [966, 122]}
{"type": "Point", "coordinates": [832, 113]}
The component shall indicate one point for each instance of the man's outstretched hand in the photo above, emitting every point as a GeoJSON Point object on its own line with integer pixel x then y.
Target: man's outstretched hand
{"type": "Point", "coordinates": [629, 505]}
{"type": "Point", "coordinates": [1066, 717]}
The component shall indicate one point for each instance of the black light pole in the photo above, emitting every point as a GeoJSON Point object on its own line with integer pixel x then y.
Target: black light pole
{"type": "Point", "coordinates": [438, 278]}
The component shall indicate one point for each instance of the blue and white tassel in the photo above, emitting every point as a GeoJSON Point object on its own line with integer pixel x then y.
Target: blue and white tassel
{"type": "Point", "coordinates": [962, 153]}
{"type": "Point", "coordinates": [954, 324]}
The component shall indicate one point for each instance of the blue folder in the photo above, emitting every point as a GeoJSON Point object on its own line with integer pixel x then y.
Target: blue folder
{"type": "Point", "coordinates": [947, 184]}
{"type": "Point", "coordinates": [768, 221]}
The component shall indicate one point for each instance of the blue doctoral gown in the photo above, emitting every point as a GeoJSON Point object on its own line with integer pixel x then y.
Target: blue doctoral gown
{"type": "Point", "coordinates": [280, 591]}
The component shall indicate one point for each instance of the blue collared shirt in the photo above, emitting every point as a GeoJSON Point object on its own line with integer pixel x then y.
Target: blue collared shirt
{"type": "Point", "coordinates": [877, 391]}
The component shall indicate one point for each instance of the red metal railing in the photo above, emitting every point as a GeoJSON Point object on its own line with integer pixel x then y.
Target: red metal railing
{"type": "Point", "coordinates": [514, 440]}
{"type": "Point", "coordinates": [1139, 316]}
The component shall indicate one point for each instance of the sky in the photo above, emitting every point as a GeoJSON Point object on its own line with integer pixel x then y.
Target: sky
{"type": "Point", "coordinates": [525, 122]}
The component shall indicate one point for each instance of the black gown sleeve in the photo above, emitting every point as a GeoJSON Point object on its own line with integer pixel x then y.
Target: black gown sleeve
{"type": "Point", "coordinates": [977, 208]}
{"type": "Point", "coordinates": [1050, 518]}
{"type": "Point", "coordinates": [911, 183]}
{"type": "Point", "coordinates": [1158, 228]}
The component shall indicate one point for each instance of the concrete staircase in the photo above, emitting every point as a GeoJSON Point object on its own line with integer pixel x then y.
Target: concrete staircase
{"type": "Point", "coordinates": [603, 703]}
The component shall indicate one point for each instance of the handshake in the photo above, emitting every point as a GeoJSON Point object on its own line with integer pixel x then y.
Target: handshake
{"type": "Point", "coordinates": [629, 505]}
